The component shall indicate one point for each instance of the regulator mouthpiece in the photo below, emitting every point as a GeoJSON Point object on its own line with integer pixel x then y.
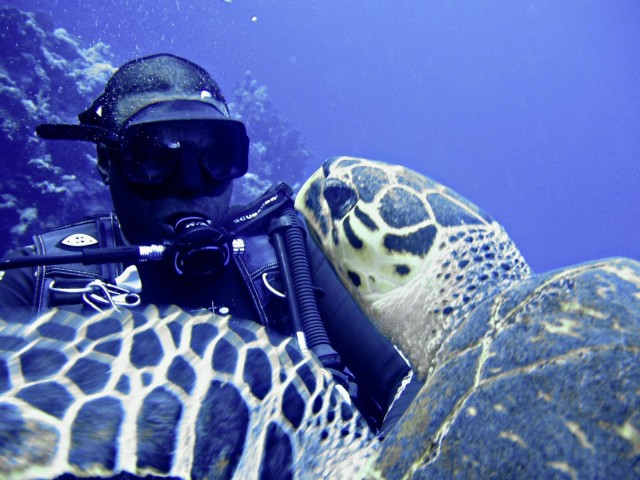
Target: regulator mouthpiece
{"type": "Point", "coordinates": [198, 248]}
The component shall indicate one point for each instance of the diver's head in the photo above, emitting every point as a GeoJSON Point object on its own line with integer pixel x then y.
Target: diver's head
{"type": "Point", "coordinates": [166, 144]}
{"type": "Point", "coordinates": [165, 88]}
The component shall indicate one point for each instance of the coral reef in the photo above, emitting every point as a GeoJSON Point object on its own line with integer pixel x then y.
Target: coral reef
{"type": "Point", "coordinates": [277, 152]}
{"type": "Point", "coordinates": [45, 76]}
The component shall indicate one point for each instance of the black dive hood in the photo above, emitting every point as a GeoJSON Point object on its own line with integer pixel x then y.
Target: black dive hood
{"type": "Point", "coordinates": [162, 111]}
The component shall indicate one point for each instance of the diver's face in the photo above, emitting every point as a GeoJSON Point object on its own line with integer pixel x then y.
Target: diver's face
{"type": "Point", "coordinates": [147, 212]}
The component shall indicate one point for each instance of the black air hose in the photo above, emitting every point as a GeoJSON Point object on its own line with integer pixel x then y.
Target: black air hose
{"type": "Point", "coordinates": [296, 255]}
{"type": "Point", "coordinates": [299, 262]}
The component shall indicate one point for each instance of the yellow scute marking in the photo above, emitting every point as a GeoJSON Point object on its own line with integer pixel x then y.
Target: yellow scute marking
{"type": "Point", "coordinates": [625, 273]}
{"type": "Point", "coordinates": [630, 433]}
{"type": "Point", "coordinates": [564, 467]}
{"type": "Point", "coordinates": [575, 429]}
{"type": "Point", "coordinates": [575, 307]}
{"type": "Point", "coordinates": [514, 438]}
{"type": "Point", "coordinates": [565, 327]}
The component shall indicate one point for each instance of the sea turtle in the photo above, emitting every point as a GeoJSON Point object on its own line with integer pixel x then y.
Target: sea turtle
{"type": "Point", "coordinates": [526, 376]}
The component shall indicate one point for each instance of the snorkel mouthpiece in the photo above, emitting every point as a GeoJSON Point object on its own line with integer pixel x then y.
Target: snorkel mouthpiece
{"type": "Point", "coordinates": [198, 248]}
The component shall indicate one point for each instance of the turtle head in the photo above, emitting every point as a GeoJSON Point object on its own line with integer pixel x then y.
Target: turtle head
{"type": "Point", "coordinates": [414, 254]}
{"type": "Point", "coordinates": [371, 221]}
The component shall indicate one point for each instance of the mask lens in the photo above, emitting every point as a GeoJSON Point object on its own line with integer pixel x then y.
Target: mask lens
{"type": "Point", "coordinates": [226, 157]}
{"type": "Point", "coordinates": [152, 149]}
{"type": "Point", "coordinates": [148, 158]}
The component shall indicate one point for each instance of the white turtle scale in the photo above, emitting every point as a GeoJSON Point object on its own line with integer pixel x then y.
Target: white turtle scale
{"type": "Point", "coordinates": [164, 393]}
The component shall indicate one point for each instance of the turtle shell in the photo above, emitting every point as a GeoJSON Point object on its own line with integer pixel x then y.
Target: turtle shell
{"type": "Point", "coordinates": [541, 381]}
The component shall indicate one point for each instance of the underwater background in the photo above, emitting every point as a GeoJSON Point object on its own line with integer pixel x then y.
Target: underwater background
{"type": "Point", "coordinates": [529, 109]}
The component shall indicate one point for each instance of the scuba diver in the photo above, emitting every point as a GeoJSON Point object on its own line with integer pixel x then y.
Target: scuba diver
{"type": "Point", "coordinates": [169, 152]}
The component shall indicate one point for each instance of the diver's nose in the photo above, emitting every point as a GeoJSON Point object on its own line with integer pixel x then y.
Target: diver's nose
{"type": "Point", "coordinates": [189, 177]}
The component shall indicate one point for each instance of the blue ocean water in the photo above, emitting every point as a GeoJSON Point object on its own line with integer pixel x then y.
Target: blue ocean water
{"type": "Point", "coordinates": [530, 109]}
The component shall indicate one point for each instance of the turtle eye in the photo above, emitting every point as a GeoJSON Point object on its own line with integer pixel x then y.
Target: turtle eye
{"type": "Point", "coordinates": [340, 198]}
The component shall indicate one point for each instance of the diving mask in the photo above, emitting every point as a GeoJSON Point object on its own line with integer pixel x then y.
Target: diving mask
{"type": "Point", "coordinates": [155, 138]}
{"type": "Point", "coordinates": [148, 152]}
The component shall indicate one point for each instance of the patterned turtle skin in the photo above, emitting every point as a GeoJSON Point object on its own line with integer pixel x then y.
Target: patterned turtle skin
{"type": "Point", "coordinates": [526, 376]}
{"type": "Point", "coordinates": [160, 392]}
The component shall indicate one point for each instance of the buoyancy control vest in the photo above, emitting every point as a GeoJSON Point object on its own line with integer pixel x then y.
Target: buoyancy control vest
{"type": "Point", "coordinates": [77, 284]}
{"type": "Point", "coordinates": [253, 253]}
{"type": "Point", "coordinates": [57, 285]}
